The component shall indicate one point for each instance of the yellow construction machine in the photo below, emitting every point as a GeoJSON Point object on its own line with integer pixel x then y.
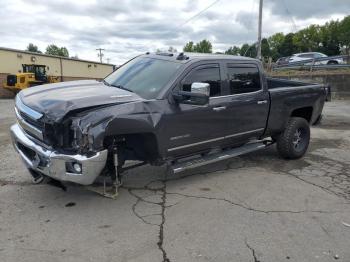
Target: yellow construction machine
{"type": "Point", "coordinates": [31, 75]}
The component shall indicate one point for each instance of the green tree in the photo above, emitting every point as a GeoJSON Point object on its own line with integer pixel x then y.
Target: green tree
{"type": "Point", "coordinates": [203, 46]}
{"type": "Point", "coordinates": [55, 50]}
{"type": "Point", "coordinates": [189, 47]}
{"type": "Point", "coordinates": [308, 39]}
{"type": "Point", "coordinates": [287, 47]}
{"type": "Point", "coordinates": [330, 38]}
{"type": "Point", "coordinates": [252, 51]}
{"type": "Point", "coordinates": [344, 34]}
{"type": "Point", "coordinates": [275, 42]}
{"type": "Point", "coordinates": [33, 48]}
{"type": "Point", "coordinates": [248, 50]}
{"type": "Point", "coordinates": [244, 49]}
{"type": "Point", "coordinates": [233, 50]}
{"type": "Point", "coordinates": [265, 48]}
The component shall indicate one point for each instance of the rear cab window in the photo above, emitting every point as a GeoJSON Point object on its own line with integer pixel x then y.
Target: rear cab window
{"type": "Point", "coordinates": [243, 78]}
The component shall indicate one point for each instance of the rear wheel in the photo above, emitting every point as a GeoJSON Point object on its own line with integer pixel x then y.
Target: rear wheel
{"type": "Point", "coordinates": [332, 63]}
{"type": "Point", "coordinates": [294, 141]}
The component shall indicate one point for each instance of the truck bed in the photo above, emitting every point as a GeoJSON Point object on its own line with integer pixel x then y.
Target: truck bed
{"type": "Point", "coordinates": [286, 96]}
{"type": "Point", "coordinates": [278, 83]}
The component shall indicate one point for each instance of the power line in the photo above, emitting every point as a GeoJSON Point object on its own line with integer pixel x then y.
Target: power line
{"type": "Point", "coordinates": [188, 20]}
{"type": "Point", "coordinates": [252, 8]}
{"type": "Point", "coordinates": [290, 16]}
{"type": "Point", "coordinates": [198, 14]}
{"type": "Point", "coordinates": [249, 29]}
{"type": "Point", "coordinates": [100, 54]}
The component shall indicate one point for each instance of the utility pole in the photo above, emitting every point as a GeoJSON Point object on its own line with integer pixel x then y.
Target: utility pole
{"type": "Point", "coordinates": [100, 55]}
{"type": "Point", "coordinates": [258, 56]}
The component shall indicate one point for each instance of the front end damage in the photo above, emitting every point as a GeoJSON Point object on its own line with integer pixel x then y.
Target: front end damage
{"type": "Point", "coordinates": [71, 150]}
{"type": "Point", "coordinates": [79, 147]}
{"type": "Point", "coordinates": [77, 168]}
{"type": "Point", "coordinates": [75, 160]}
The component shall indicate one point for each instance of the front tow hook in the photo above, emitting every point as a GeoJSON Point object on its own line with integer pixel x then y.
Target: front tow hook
{"type": "Point", "coordinates": [37, 178]}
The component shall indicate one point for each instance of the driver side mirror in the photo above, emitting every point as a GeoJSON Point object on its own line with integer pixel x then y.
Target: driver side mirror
{"type": "Point", "coordinates": [199, 94]}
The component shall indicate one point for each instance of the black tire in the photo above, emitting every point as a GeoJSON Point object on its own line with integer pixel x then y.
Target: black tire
{"type": "Point", "coordinates": [294, 140]}
{"type": "Point", "coordinates": [332, 63]}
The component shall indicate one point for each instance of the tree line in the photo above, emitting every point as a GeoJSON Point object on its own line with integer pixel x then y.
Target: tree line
{"type": "Point", "coordinates": [50, 50]}
{"type": "Point", "coordinates": [333, 38]}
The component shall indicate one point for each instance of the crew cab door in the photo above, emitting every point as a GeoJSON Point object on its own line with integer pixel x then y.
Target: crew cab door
{"type": "Point", "coordinates": [192, 128]}
{"type": "Point", "coordinates": [249, 102]}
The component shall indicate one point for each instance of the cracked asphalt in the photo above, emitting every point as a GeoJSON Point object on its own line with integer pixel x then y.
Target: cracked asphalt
{"type": "Point", "coordinates": [256, 207]}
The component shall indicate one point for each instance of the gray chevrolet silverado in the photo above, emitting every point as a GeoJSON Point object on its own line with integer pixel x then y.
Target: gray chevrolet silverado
{"type": "Point", "coordinates": [184, 110]}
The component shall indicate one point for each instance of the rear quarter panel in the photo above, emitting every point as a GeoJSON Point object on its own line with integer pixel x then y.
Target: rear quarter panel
{"type": "Point", "coordinates": [285, 100]}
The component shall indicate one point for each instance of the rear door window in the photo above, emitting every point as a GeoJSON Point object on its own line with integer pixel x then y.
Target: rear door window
{"type": "Point", "coordinates": [318, 55]}
{"type": "Point", "coordinates": [307, 55]}
{"type": "Point", "coordinates": [243, 79]}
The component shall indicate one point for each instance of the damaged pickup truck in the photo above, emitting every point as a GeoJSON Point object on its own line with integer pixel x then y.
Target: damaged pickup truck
{"type": "Point", "coordinates": [184, 110]}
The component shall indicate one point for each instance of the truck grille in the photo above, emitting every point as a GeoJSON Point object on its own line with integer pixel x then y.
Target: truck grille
{"type": "Point", "coordinates": [36, 123]}
{"type": "Point", "coordinates": [11, 80]}
{"type": "Point", "coordinates": [29, 120]}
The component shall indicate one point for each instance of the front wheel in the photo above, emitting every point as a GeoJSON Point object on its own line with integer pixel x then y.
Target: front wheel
{"type": "Point", "coordinates": [294, 141]}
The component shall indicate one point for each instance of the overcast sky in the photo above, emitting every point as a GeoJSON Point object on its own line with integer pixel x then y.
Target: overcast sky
{"type": "Point", "coordinates": [128, 28]}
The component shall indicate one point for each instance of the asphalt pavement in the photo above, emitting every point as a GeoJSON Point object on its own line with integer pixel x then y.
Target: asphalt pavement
{"type": "Point", "coordinates": [257, 207]}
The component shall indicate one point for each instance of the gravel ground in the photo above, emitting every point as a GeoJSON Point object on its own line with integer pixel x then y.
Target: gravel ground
{"type": "Point", "coordinates": [257, 207]}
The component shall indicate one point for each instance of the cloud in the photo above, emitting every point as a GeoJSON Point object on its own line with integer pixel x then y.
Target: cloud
{"type": "Point", "coordinates": [247, 19]}
{"type": "Point", "coordinates": [130, 27]}
{"type": "Point", "coordinates": [302, 9]}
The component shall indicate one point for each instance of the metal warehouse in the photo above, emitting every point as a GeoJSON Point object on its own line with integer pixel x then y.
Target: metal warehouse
{"type": "Point", "coordinates": [66, 69]}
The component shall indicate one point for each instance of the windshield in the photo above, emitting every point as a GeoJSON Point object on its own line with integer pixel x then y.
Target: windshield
{"type": "Point", "coordinates": [143, 76]}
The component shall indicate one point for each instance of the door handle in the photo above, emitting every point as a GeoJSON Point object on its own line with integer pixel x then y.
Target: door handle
{"type": "Point", "coordinates": [260, 102]}
{"type": "Point", "coordinates": [219, 108]}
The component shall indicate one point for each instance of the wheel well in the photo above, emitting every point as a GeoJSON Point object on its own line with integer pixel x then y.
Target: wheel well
{"type": "Point", "coordinates": [332, 62]}
{"type": "Point", "coordinates": [304, 112]}
{"type": "Point", "coordinates": [141, 146]}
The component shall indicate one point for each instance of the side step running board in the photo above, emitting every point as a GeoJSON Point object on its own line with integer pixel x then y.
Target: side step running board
{"type": "Point", "coordinates": [183, 165]}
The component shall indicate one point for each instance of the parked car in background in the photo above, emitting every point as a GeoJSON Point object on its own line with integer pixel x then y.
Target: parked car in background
{"type": "Point", "coordinates": [282, 61]}
{"type": "Point", "coordinates": [315, 55]}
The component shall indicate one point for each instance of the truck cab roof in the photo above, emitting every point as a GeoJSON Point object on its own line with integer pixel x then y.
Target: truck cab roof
{"type": "Point", "coordinates": [185, 57]}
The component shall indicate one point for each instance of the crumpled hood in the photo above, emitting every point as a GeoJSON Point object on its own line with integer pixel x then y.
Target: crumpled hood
{"type": "Point", "coordinates": [56, 100]}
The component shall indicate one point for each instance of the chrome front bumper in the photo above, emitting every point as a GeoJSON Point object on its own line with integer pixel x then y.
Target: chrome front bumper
{"type": "Point", "coordinates": [54, 164]}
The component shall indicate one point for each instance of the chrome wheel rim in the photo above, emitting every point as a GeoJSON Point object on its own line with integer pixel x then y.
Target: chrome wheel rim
{"type": "Point", "coordinates": [299, 140]}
